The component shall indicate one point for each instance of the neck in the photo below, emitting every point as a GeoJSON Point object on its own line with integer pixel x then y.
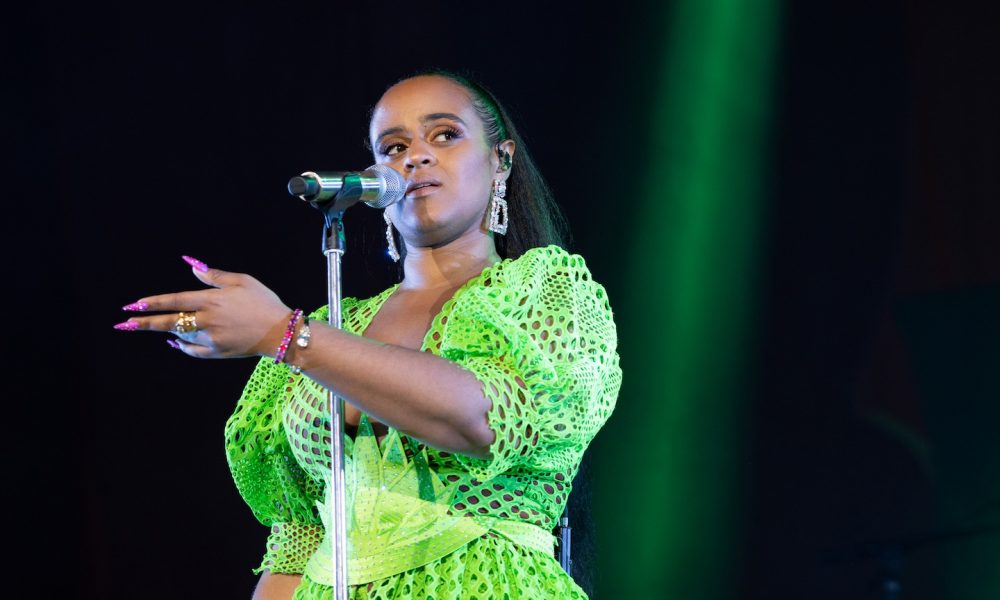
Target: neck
{"type": "Point", "coordinates": [450, 265]}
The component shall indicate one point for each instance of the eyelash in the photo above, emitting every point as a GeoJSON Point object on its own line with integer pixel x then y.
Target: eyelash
{"type": "Point", "coordinates": [451, 131]}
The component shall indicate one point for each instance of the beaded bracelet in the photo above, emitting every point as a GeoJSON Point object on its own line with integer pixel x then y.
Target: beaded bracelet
{"type": "Point", "coordinates": [302, 341]}
{"type": "Point", "coordinates": [279, 356]}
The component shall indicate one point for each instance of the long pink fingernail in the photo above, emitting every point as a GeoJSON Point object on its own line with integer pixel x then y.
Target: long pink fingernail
{"type": "Point", "coordinates": [173, 344]}
{"type": "Point", "coordinates": [137, 306]}
{"type": "Point", "coordinates": [197, 264]}
{"type": "Point", "coordinates": [127, 326]}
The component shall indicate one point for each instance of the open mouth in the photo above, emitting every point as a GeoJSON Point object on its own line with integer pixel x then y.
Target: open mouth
{"type": "Point", "coordinates": [420, 188]}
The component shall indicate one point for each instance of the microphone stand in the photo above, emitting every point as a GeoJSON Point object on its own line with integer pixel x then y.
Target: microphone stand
{"type": "Point", "coordinates": [332, 194]}
{"type": "Point", "coordinates": [565, 538]}
{"type": "Point", "coordinates": [334, 245]}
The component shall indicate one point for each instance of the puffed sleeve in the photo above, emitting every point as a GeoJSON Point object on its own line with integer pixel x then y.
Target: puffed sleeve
{"type": "Point", "coordinates": [540, 337]}
{"type": "Point", "coordinates": [280, 494]}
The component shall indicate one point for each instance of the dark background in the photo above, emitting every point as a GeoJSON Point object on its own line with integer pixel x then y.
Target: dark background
{"type": "Point", "coordinates": [143, 133]}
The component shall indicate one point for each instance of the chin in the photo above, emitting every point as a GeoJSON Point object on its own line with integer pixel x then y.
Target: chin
{"type": "Point", "coordinates": [431, 240]}
{"type": "Point", "coordinates": [434, 235]}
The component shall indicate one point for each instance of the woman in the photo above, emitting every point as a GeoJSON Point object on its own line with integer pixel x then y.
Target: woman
{"type": "Point", "coordinates": [473, 386]}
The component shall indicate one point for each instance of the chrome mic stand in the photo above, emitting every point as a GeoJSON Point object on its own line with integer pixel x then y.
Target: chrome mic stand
{"type": "Point", "coordinates": [333, 248]}
{"type": "Point", "coordinates": [565, 538]}
{"type": "Point", "coordinates": [332, 194]}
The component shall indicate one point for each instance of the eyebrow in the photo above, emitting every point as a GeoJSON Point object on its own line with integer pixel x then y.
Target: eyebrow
{"type": "Point", "coordinates": [423, 120]}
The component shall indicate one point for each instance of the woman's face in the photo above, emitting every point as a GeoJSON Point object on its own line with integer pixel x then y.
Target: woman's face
{"type": "Point", "coordinates": [427, 129]}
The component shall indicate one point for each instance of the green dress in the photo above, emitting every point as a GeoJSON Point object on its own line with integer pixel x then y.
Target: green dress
{"type": "Point", "coordinates": [538, 333]}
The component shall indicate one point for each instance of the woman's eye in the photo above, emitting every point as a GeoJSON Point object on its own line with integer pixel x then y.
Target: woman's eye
{"type": "Point", "coordinates": [446, 135]}
{"type": "Point", "coordinates": [392, 149]}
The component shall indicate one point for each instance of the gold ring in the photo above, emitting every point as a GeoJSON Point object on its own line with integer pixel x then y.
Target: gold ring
{"type": "Point", "coordinates": [186, 323]}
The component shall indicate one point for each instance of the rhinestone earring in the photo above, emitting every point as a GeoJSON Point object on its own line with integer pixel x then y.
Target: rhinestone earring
{"type": "Point", "coordinates": [390, 239]}
{"type": "Point", "coordinates": [498, 208]}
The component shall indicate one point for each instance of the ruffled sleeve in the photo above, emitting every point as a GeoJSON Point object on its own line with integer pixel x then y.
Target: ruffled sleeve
{"type": "Point", "coordinates": [539, 335]}
{"type": "Point", "coordinates": [280, 494]}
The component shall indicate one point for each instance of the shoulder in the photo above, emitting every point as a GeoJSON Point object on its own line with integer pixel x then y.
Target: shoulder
{"type": "Point", "coordinates": [552, 254]}
{"type": "Point", "coordinates": [553, 271]}
{"type": "Point", "coordinates": [551, 287]}
{"type": "Point", "coordinates": [547, 263]}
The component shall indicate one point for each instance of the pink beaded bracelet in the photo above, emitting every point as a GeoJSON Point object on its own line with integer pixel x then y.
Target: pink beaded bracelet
{"type": "Point", "coordinates": [279, 356]}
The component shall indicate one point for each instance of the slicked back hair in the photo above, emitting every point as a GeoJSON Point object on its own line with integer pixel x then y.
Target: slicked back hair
{"type": "Point", "coordinates": [533, 217]}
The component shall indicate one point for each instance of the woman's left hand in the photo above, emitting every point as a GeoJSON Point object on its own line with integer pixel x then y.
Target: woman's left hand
{"type": "Point", "coordinates": [238, 316]}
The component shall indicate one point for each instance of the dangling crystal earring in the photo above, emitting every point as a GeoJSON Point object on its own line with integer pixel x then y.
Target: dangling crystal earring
{"type": "Point", "coordinates": [498, 208]}
{"type": "Point", "coordinates": [389, 238]}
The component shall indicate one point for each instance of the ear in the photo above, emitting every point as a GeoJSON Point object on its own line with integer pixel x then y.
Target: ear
{"type": "Point", "coordinates": [504, 159]}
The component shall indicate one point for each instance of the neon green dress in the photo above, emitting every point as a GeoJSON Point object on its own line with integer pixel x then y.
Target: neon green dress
{"type": "Point", "coordinates": [538, 333]}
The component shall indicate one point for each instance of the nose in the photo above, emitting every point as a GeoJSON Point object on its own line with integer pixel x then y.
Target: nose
{"type": "Point", "coordinates": [419, 153]}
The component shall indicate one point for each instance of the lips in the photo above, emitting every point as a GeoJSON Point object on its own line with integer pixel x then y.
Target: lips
{"type": "Point", "coordinates": [420, 188]}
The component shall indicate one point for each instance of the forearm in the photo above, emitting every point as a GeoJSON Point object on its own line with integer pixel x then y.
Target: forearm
{"type": "Point", "coordinates": [276, 586]}
{"type": "Point", "coordinates": [419, 394]}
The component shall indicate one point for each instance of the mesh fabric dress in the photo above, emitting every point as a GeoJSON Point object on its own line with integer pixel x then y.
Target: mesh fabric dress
{"type": "Point", "coordinates": [538, 333]}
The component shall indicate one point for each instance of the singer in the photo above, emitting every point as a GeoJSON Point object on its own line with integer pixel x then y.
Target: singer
{"type": "Point", "coordinates": [473, 386]}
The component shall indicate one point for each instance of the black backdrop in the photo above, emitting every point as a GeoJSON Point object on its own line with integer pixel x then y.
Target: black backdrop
{"type": "Point", "coordinates": [142, 133]}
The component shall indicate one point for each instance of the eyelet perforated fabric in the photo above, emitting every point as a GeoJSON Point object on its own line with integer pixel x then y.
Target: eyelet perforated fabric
{"type": "Point", "coordinates": [273, 484]}
{"type": "Point", "coordinates": [538, 333]}
{"type": "Point", "coordinates": [487, 568]}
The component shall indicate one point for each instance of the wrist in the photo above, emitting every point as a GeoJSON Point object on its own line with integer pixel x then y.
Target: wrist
{"type": "Point", "coordinates": [288, 336]}
{"type": "Point", "coordinates": [268, 344]}
{"type": "Point", "coordinates": [301, 338]}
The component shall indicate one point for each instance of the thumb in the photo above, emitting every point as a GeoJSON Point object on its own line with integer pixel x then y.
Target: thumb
{"type": "Point", "coordinates": [213, 277]}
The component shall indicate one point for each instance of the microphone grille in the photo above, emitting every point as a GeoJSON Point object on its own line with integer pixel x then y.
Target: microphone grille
{"type": "Point", "coordinates": [394, 186]}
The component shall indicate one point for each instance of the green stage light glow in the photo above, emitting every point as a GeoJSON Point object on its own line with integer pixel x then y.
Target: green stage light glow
{"type": "Point", "coordinates": [671, 517]}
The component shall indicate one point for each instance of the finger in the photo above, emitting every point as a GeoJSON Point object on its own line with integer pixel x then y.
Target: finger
{"type": "Point", "coordinates": [213, 277]}
{"type": "Point", "coordinates": [177, 301]}
{"type": "Point", "coordinates": [199, 336]}
{"type": "Point", "coordinates": [151, 323]}
{"type": "Point", "coordinates": [195, 350]}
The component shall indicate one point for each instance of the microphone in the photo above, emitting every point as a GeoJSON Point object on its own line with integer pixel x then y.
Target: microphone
{"type": "Point", "coordinates": [377, 186]}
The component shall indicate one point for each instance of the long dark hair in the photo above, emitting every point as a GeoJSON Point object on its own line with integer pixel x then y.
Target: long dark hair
{"type": "Point", "coordinates": [533, 219]}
